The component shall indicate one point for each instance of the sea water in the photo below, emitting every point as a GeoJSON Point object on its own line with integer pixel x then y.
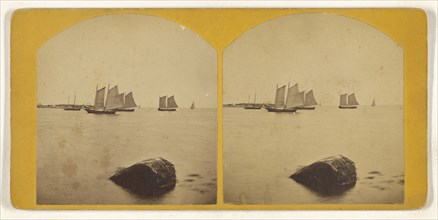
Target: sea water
{"type": "Point", "coordinates": [262, 149]}
{"type": "Point", "coordinates": [77, 153]}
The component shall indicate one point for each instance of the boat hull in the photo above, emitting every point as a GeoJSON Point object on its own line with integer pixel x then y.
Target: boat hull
{"type": "Point", "coordinates": [167, 109]}
{"type": "Point", "coordinates": [252, 107]}
{"type": "Point", "coordinates": [306, 108]}
{"type": "Point", "coordinates": [125, 109]}
{"type": "Point", "coordinates": [104, 111]}
{"type": "Point", "coordinates": [281, 110]}
{"type": "Point", "coordinates": [347, 107]}
{"type": "Point", "coordinates": [72, 109]}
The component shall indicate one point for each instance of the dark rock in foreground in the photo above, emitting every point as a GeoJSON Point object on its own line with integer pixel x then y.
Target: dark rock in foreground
{"type": "Point", "coordinates": [147, 178]}
{"type": "Point", "coordinates": [331, 175]}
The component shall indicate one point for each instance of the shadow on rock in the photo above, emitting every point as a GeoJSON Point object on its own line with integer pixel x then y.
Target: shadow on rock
{"type": "Point", "coordinates": [328, 176]}
{"type": "Point", "coordinates": [148, 178]}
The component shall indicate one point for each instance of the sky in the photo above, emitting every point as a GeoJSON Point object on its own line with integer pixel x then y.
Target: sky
{"type": "Point", "coordinates": [147, 55]}
{"type": "Point", "coordinates": [328, 53]}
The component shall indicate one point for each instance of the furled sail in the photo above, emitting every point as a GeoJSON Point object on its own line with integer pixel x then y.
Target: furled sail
{"type": "Point", "coordinates": [129, 101]}
{"type": "Point", "coordinates": [310, 99]}
{"type": "Point", "coordinates": [352, 100]}
{"type": "Point", "coordinates": [296, 100]}
{"type": "Point", "coordinates": [279, 97]}
{"type": "Point", "coordinates": [162, 102]}
{"type": "Point", "coordinates": [343, 100]}
{"type": "Point", "coordinates": [99, 99]}
{"type": "Point", "coordinates": [171, 102]}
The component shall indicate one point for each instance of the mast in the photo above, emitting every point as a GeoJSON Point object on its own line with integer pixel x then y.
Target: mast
{"type": "Point", "coordinates": [255, 95]}
{"type": "Point", "coordinates": [107, 93]}
{"type": "Point", "coordinates": [249, 96]}
{"type": "Point", "coordinates": [68, 100]}
{"type": "Point", "coordinates": [74, 100]}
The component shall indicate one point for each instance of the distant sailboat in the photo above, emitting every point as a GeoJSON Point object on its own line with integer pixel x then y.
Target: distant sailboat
{"type": "Point", "coordinates": [293, 100]}
{"type": "Point", "coordinates": [309, 102]}
{"type": "Point", "coordinates": [252, 105]}
{"type": "Point", "coordinates": [128, 103]}
{"type": "Point", "coordinates": [170, 105]}
{"type": "Point", "coordinates": [113, 101]}
{"type": "Point", "coordinates": [193, 105]}
{"type": "Point", "coordinates": [72, 107]}
{"type": "Point", "coordinates": [374, 103]}
{"type": "Point", "coordinates": [349, 102]}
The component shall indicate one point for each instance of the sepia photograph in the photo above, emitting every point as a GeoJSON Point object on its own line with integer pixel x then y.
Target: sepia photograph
{"type": "Point", "coordinates": [313, 113]}
{"type": "Point", "coordinates": [126, 114]}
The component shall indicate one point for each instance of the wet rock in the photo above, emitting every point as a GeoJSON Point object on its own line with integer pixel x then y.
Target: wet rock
{"type": "Point", "coordinates": [147, 178]}
{"type": "Point", "coordinates": [330, 175]}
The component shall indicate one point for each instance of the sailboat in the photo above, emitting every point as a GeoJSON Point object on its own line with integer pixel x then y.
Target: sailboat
{"type": "Point", "coordinates": [170, 105]}
{"type": "Point", "coordinates": [309, 101]}
{"type": "Point", "coordinates": [348, 103]}
{"type": "Point", "coordinates": [294, 99]}
{"type": "Point", "coordinates": [72, 107]}
{"type": "Point", "coordinates": [193, 105]}
{"type": "Point", "coordinates": [113, 101]}
{"type": "Point", "coordinates": [253, 105]}
{"type": "Point", "coordinates": [374, 103]}
{"type": "Point", "coordinates": [128, 103]}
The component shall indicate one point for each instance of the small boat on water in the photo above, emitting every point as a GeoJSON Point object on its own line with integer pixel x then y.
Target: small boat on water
{"type": "Point", "coordinates": [128, 103]}
{"type": "Point", "coordinates": [252, 106]}
{"type": "Point", "coordinates": [167, 104]}
{"type": "Point", "coordinates": [374, 103]}
{"type": "Point", "coordinates": [349, 102]}
{"type": "Point", "coordinates": [110, 106]}
{"type": "Point", "coordinates": [193, 105]}
{"type": "Point", "coordinates": [309, 102]}
{"type": "Point", "coordinates": [73, 107]}
{"type": "Point", "coordinates": [294, 99]}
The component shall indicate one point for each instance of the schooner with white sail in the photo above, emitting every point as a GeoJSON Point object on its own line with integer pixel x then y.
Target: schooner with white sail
{"type": "Point", "coordinates": [108, 106]}
{"type": "Point", "coordinates": [167, 104]}
{"type": "Point", "coordinates": [294, 99]}
{"type": "Point", "coordinates": [309, 101]}
{"type": "Point", "coordinates": [128, 103]}
{"type": "Point", "coordinates": [348, 101]}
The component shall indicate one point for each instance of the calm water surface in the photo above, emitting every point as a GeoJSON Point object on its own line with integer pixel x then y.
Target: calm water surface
{"type": "Point", "coordinates": [77, 153]}
{"type": "Point", "coordinates": [261, 150]}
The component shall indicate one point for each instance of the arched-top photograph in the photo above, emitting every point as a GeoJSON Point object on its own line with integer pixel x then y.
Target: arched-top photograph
{"type": "Point", "coordinates": [313, 113]}
{"type": "Point", "coordinates": [126, 114]}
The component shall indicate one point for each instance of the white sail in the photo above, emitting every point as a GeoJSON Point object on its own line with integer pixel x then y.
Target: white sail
{"type": "Point", "coordinates": [99, 99]}
{"type": "Point", "coordinates": [113, 100]}
{"type": "Point", "coordinates": [122, 98]}
{"type": "Point", "coordinates": [171, 102]}
{"type": "Point", "coordinates": [162, 103]}
{"type": "Point", "coordinates": [279, 97]}
{"type": "Point", "coordinates": [296, 100]}
{"type": "Point", "coordinates": [352, 100]}
{"type": "Point", "coordinates": [343, 100]}
{"type": "Point", "coordinates": [294, 89]}
{"type": "Point", "coordinates": [290, 93]}
{"type": "Point", "coordinates": [310, 99]}
{"type": "Point", "coordinates": [129, 101]}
